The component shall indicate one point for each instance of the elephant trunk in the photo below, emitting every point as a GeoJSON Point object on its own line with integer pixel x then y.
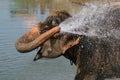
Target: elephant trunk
{"type": "Point", "coordinates": [33, 39]}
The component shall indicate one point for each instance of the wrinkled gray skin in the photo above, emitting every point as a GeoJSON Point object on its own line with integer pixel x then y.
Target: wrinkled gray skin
{"type": "Point", "coordinates": [95, 58]}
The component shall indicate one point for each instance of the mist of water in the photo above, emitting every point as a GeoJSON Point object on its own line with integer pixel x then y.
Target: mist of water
{"type": "Point", "coordinates": [94, 20]}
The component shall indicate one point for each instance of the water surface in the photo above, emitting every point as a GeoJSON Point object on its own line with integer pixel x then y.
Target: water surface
{"type": "Point", "coordinates": [16, 18]}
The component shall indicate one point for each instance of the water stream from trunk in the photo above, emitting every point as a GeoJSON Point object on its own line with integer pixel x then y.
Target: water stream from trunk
{"type": "Point", "coordinates": [94, 20]}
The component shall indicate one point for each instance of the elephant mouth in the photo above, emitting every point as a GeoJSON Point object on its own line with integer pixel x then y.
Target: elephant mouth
{"type": "Point", "coordinates": [38, 55]}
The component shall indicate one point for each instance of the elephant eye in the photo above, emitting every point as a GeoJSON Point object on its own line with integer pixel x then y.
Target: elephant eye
{"type": "Point", "coordinates": [53, 22]}
{"type": "Point", "coordinates": [56, 21]}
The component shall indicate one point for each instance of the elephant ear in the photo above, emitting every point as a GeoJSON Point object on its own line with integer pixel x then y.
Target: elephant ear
{"type": "Point", "coordinates": [70, 44]}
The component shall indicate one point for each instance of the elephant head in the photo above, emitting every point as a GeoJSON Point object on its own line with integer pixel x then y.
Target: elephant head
{"type": "Point", "coordinates": [38, 35]}
{"type": "Point", "coordinates": [45, 35]}
{"type": "Point", "coordinates": [57, 45]}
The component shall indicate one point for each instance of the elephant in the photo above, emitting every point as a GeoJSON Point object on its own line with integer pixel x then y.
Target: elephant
{"type": "Point", "coordinates": [95, 58]}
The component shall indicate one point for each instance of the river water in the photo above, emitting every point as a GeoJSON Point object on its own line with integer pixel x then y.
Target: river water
{"type": "Point", "coordinates": [16, 18]}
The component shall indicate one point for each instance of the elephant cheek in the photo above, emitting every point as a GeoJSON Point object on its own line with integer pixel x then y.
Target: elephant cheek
{"type": "Point", "coordinates": [46, 54]}
{"type": "Point", "coordinates": [51, 53]}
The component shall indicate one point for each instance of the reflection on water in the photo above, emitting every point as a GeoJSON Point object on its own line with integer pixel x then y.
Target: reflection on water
{"type": "Point", "coordinates": [17, 17]}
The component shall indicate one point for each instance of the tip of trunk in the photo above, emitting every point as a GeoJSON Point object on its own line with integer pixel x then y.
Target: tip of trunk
{"type": "Point", "coordinates": [24, 43]}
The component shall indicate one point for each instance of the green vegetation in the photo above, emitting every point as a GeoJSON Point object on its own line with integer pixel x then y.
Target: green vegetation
{"type": "Point", "coordinates": [30, 6]}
